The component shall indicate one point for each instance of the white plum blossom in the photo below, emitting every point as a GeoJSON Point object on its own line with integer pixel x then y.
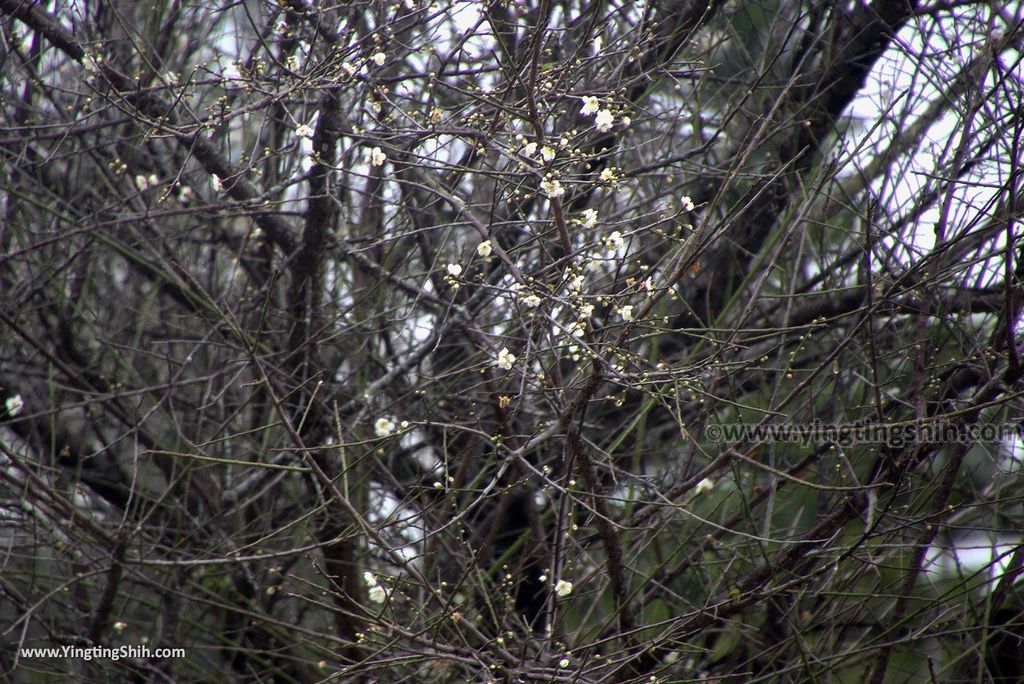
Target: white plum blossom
{"type": "Point", "coordinates": [590, 106]}
{"type": "Point", "coordinates": [454, 270]}
{"type": "Point", "coordinates": [216, 183]}
{"type": "Point", "coordinates": [146, 182]}
{"type": "Point", "coordinates": [531, 300]}
{"type": "Point", "coordinates": [598, 44]}
{"type": "Point", "coordinates": [484, 248]}
{"type": "Point", "coordinates": [552, 188]}
{"type": "Point", "coordinates": [379, 58]}
{"type": "Point", "coordinates": [586, 310]}
{"type": "Point", "coordinates": [607, 174]}
{"type": "Point", "coordinates": [564, 662]}
{"type": "Point", "coordinates": [304, 131]}
{"type": "Point", "coordinates": [547, 153]}
{"type": "Point", "coordinates": [604, 120]}
{"type": "Point", "coordinates": [377, 156]}
{"type": "Point", "coordinates": [529, 149]}
{"type": "Point", "coordinates": [370, 579]}
{"type": "Point", "coordinates": [14, 405]}
{"type": "Point", "coordinates": [378, 594]}
{"type": "Point", "coordinates": [686, 203]}
{"type": "Point", "coordinates": [705, 485]}
{"type": "Point", "coordinates": [563, 588]}
{"type": "Point", "coordinates": [506, 359]}
{"type": "Point", "coordinates": [626, 312]}
{"type": "Point", "coordinates": [588, 218]}
{"type": "Point", "coordinates": [383, 427]}
{"type": "Point", "coordinates": [614, 241]}
{"type": "Point", "coordinates": [93, 65]}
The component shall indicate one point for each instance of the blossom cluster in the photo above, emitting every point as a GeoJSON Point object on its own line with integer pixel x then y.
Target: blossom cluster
{"type": "Point", "coordinates": [603, 117]}
{"type": "Point", "coordinates": [377, 593]}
